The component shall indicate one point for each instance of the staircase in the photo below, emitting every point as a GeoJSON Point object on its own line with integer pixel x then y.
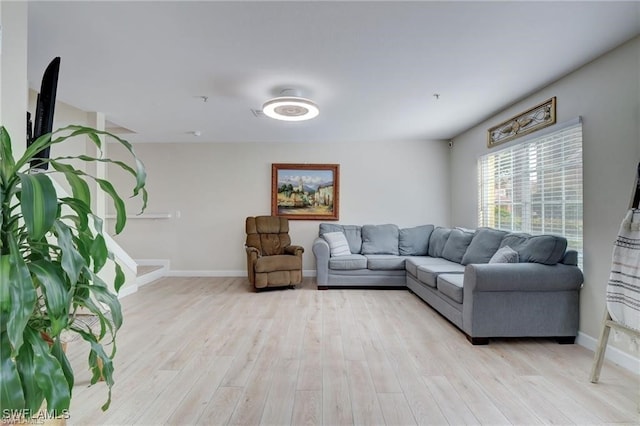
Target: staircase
{"type": "Point", "coordinates": [150, 270]}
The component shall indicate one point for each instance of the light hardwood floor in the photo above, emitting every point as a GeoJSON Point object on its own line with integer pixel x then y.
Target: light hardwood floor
{"type": "Point", "coordinates": [211, 351]}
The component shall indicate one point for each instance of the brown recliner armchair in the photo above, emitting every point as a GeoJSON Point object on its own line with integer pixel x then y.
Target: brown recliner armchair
{"type": "Point", "coordinates": [271, 259]}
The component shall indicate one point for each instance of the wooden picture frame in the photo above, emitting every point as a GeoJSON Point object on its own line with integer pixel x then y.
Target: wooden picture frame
{"type": "Point", "coordinates": [536, 118]}
{"type": "Point", "coordinates": [305, 191]}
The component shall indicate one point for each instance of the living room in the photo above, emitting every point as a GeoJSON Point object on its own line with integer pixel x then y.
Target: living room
{"type": "Point", "coordinates": [408, 182]}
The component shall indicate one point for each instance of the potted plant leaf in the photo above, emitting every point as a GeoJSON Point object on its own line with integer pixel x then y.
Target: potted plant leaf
{"type": "Point", "coordinates": [52, 252]}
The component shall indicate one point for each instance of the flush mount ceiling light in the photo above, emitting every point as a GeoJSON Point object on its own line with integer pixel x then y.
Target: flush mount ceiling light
{"type": "Point", "coordinates": [289, 106]}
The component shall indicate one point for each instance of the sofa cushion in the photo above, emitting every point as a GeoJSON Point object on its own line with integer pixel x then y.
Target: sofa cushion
{"type": "Point", "coordinates": [352, 261]}
{"type": "Point", "coordinates": [428, 274]}
{"type": "Point", "coordinates": [437, 241]}
{"type": "Point", "coordinates": [456, 245]}
{"type": "Point", "coordinates": [546, 249]}
{"type": "Point", "coordinates": [505, 255]}
{"type": "Point", "coordinates": [415, 241]}
{"type": "Point", "coordinates": [451, 286]}
{"type": "Point", "coordinates": [384, 261]}
{"type": "Point", "coordinates": [352, 232]}
{"type": "Point", "coordinates": [380, 239]}
{"type": "Point", "coordinates": [411, 263]}
{"type": "Point", "coordinates": [484, 244]}
{"type": "Point", "coordinates": [338, 244]}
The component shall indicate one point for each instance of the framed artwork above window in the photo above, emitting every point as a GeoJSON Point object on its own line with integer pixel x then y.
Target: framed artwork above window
{"type": "Point", "coordinates": [536, 118]}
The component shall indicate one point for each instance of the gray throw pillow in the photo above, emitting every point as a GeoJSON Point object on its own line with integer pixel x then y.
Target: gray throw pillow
{"type": "Point", "coordinates": [505, 255]}
{"type": "Point", "coordinates": [380, 239]}
{"type": "Point", "coordinates": [415, 241]}
{"type": "Point", "coordinates": [484, 244]}
{"type": "Point", "coordinates": [437, 241]}
{"type": "Point", "coordinates": [456, 245]}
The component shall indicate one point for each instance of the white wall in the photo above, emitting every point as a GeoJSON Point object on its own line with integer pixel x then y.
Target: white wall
{"type": "Point", "coordinates": [13, 73]}
{"type": "Point", "coordinates": [606, 93]}
{"type": "Point", "coordinates": [216, 186]}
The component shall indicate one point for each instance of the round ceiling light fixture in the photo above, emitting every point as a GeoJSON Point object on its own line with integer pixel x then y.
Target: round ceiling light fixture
{"type": "Point", "coordinates": [289, 106]}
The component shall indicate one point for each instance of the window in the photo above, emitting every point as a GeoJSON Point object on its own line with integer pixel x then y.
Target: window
{"type": "Point", "coordinates": [535, 186]}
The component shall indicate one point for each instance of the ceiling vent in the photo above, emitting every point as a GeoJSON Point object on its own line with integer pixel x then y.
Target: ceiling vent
{"type": "Point", "coordinates": [257, 113]}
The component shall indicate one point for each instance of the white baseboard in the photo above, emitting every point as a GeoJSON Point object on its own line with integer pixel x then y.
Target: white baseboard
{"type": "Point", "coordinates": [190, 273]}
{"type": "Point", "coordinates": [127, 290]}
{"type": "Point", "coordinates": [231, 273]}
{"type": "Point", "coordinates": [151, 276]}
{"type": "Point", "coordinates": [153, 262]}
{"type": "Point", "coordinates": [612, 354]}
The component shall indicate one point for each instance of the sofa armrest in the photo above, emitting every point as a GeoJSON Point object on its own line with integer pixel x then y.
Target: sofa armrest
{"type": "Point", "coordinates": [322, 253]}
{"type": "Point", "coordinates": [521, 277]}
{"type": "Point", "coordinates": [294, 250]}
{"type": "Point", "coordinates": [521, 299]}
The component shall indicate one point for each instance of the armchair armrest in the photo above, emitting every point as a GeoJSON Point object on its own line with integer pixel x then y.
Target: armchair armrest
{"type": "Point", "coordinates": [252, 255]}
{"type": "Point", "coordinates": [521, 277]}
{"type": "Point", "coordinates": [252, 250]}
{"type": "Point", "coordinates": [294, 250]}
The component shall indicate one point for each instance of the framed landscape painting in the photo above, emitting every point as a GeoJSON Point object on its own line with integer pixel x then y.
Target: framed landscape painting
{"type": "Point", "coordinates": [305, 191]}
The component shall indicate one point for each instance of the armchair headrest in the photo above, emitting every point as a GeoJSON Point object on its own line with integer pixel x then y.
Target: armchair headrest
{"type": "Point", "coordinates": [269, 234]}
{"type": "Point", "coordinates": [267, 225]}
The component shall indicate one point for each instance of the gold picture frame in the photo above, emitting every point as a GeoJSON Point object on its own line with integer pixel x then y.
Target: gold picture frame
{"type": "Point", "coordinates": [305, 191]}
{"type": "Point", "coordinates": [536, 118]}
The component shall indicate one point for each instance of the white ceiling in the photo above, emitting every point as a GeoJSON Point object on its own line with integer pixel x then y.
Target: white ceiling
{"type": "Point", "coordinates": [372, 67]}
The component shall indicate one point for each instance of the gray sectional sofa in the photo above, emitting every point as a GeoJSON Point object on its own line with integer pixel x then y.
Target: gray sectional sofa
{"type": "Point", "coordinates": [487, 282]}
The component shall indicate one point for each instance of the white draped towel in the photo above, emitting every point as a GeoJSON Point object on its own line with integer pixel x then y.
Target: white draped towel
{"type": "Point", "coordinates": [623, 288]}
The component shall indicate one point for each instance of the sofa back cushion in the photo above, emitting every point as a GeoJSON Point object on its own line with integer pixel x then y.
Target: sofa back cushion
{"type": "Point", "coordinates": [415, 241]}
{"type": "Point", "coordinates": [457, 244]}
{"type": "Point", "coordinates": [380, 239]}
{"type": "Point", "coordinates": [570, 258]}
{"type": "Point", "coordinates": [352, 232]}
{"type": "Point", "coordinates": [484, 244]}
{"type": "Point", "coordinates": [545, 249]}
{"type": "Point", "coordinates": [437, 241]}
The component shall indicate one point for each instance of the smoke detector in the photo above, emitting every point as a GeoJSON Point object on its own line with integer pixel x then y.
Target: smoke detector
{"type": "Point", "coordinates": [290, 106]}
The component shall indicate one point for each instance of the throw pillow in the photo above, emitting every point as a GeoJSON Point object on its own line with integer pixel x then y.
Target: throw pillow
{"type": "Point", "coordinates": [337, 243]}
{"type": "Point", "coordinates": [505, 255]}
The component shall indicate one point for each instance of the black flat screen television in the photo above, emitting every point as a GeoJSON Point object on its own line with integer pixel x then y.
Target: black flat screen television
{"type": "Point", "coordinates": [45, 107]}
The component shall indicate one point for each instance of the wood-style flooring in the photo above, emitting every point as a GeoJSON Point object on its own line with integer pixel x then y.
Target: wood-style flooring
{"type": "Point", "coordinates": [211, 351]}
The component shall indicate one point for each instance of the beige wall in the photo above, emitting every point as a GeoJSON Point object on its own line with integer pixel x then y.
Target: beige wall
{"type": "Point", "coordinates": [606, 93]}
{"type": "Point", "coordinates": [215, 186]}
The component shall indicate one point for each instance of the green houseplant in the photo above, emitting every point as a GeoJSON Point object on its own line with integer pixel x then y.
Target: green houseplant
{"type": "Point", "coordinates": [52, 249]}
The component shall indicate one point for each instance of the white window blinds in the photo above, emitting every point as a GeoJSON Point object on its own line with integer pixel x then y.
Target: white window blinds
{"type": "Point", "coordinates": [535, 186]}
